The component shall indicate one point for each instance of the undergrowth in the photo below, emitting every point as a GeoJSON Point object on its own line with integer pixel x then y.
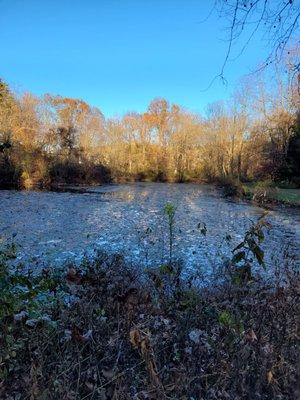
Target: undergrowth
{"type": "Point", "coordinates": [103, 331]}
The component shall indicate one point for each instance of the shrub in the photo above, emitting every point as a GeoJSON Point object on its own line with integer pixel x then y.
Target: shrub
{"type": "Point", "coordinates": [66, 172]}
{"type": "Point", "coordinates": [264, 192]}
{"type": "Point", "coordinates": [98, 173]}
{"type": "Point", "coordinates": [10, 174]}
{"type": "Point", "coordinates": [231, 187]}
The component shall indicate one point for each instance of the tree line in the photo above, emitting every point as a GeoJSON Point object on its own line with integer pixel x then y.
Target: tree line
{"type": "Point", "coordinates": [49, 140]}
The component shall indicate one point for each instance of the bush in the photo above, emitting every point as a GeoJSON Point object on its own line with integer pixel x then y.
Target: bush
{"type": "Point", "coordinates": [231, 187]}
{"type": "Point", "coordinates": [10, 174]}
{"type": "Point", "coordinates": [72, 172]}
{"type": "Point", "coordinates": [264, 192]}
{"type": "Point", "coordinates": [98, 174]}
{"type": "Point", "coordinates": [66, 172]}
{"type": "Point", "coordinates": [150, 176]}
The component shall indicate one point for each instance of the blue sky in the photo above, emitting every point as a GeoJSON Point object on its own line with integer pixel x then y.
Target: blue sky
{"type": "Point", "coordinates": [120, 54]}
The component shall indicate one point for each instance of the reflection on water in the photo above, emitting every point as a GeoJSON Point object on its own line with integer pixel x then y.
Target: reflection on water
{"type": "Point", "coordinates": [52, 227]}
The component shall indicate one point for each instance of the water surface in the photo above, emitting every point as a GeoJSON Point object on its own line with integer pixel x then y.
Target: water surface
{"type": "Point", "coordinates": [52, 227]}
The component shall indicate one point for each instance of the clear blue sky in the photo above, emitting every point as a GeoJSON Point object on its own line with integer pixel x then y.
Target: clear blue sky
{"type": "Point", "coordinates": [119, 54]}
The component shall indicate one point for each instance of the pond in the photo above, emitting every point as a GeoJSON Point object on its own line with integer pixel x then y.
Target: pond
{"type": "Point", "coordinates": [53, 227]}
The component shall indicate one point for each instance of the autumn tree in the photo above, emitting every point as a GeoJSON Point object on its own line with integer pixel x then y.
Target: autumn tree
{"type": "Point", "coordinates": [9, 173]}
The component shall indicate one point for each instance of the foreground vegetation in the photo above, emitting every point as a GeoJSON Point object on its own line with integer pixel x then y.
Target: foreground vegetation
{"type": "Point", "coordinates": [103, 330]}
{"type": "Point", "coordinates": [51, 140]}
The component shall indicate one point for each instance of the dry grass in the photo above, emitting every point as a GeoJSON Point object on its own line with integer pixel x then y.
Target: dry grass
{"type": "Point", "coordinates": [104, 334]}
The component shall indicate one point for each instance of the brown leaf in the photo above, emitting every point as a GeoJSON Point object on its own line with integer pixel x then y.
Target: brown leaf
{"type": "Point", "coordinates": [251, 336]}
{"type": "Point", "coordinates": [145, 346]}
{"type": "Point", "coordinates": [269, 376]}
{"type": "Point", "coordinates": [135, 337]}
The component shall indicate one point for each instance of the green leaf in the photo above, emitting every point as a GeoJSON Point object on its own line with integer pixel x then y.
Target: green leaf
{"type": "Point", "coordinates": [260, 235]}
{"type": "Point", "coordinates": [259, 254]}
{"type": "Point", "coordinates": [226, 319]}
{"type": "Point", "coordinates": [238, 257]}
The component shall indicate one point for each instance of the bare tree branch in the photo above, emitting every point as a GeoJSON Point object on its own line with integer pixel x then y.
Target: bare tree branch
{"type": "Point", "coordinates": [274, 20]}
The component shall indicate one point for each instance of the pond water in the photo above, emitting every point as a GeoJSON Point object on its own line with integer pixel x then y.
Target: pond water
{"type": "Point", "coordinates": [52, 227]}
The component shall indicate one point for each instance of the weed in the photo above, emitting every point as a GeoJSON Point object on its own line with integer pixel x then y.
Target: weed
{"type": "Point", "coordinates": [170, 210]}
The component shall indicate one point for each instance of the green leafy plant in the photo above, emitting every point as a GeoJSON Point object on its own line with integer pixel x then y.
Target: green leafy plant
{"type": "Point", "coordinates": [226, 319]}
{"type": "Point", "coordinates": [248, 250]}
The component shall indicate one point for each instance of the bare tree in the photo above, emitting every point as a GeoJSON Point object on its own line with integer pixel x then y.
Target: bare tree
{"type": "Point", "coordinates": [276, 21]}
